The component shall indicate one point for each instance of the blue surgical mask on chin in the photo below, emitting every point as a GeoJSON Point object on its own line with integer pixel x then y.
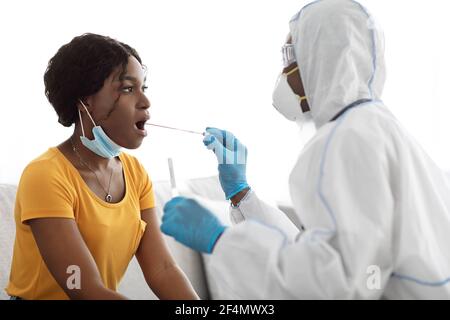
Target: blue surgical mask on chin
{"type": "Point", "coordinates": [102, 145]}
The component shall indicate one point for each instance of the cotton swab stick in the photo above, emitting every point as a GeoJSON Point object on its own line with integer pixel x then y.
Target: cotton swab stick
{"type": "Point", "coordinates": [166, 127]}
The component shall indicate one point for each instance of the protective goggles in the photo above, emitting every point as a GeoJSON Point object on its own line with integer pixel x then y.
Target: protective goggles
{"type": "Point", "coordinates": [288, 55]}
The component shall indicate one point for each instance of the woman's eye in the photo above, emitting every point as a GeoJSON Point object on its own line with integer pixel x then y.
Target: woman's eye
{"type": "Point", "coordinates": [144, 88]}
{"type": "Point", "coordinates": [128, 89]}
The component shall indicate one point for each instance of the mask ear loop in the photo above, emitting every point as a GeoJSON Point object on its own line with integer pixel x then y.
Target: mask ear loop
{"type": "Point", "coordinates": [292, 71]}
{"type": "Point", "coordinates": [81, 120]}
{"type": "Point", "coordinates": [79, 114]}
{"type": "Point", "coordinates": [301, 98]}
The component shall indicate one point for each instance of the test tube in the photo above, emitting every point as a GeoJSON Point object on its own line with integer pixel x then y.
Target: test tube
{"type": "Point", "coordinates": [173, 184]}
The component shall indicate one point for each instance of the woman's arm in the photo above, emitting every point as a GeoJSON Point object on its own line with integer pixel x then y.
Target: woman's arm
{"type": "Point", "coordinates": [61, 245]}
{"type": "Point", "coordinates": [160, 270]}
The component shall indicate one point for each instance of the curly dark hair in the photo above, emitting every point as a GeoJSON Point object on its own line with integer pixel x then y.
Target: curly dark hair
{"type": "Point", "coordinates": [79, 70]}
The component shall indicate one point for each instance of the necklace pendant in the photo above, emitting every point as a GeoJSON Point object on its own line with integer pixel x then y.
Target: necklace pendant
{"type": "Point", "coordinates": [108, 198]}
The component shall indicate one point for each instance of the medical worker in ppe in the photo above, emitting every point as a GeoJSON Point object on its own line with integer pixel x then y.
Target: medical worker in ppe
{"type": "Point", "coordinates": [375, 207]}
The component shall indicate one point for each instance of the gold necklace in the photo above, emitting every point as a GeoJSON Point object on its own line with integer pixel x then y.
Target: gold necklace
{"type": "Point", "coordinates": [108, 197]}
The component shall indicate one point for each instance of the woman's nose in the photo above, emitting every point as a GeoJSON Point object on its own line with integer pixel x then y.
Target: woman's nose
{"type": "Point", "coordinates": [145, 102]}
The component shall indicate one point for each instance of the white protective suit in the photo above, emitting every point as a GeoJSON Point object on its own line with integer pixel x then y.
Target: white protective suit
{"type": "Point", "coordinates": [369, 197]}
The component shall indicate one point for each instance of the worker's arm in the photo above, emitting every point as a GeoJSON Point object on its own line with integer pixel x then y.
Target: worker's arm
{"type": "Point", "coordinates": [350, 232]}
{"type": "Point", "coordinates": [163, 275]}
{"type": "Point", "coordinates": [236, 199]}
{"type": "Point", "coordinates": [62, 246]}
{"type": "Point", "coordinates": [251, 207]}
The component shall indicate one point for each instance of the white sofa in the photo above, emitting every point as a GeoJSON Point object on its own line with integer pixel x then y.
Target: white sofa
{"type": "Point", "coordinates": [206, 190]}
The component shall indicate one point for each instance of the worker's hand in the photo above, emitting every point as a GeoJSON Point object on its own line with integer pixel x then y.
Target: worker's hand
{"type": "Point", "coordinates": [191, 224]}
{"type": "Point", "coordinates": [232, 157]}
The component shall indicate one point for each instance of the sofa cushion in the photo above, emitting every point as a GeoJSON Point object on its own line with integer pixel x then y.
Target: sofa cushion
{"type": "Point", "coordinates": [7, 234]}
{"type": "Point", "coordinates": [208, 188]}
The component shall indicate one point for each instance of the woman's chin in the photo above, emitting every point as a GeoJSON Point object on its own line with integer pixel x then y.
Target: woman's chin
{"type": "Point", "coordinates": [134, 144]}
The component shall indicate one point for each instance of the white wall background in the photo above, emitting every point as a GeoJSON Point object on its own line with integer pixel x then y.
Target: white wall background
{"type": "Point", "coordinates": [211, 63]}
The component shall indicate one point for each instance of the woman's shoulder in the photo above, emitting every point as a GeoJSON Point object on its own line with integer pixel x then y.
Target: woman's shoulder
{"type": "Point", "coordinates": [140, 179]}
{"type": "Point", "coordinates": [46, 171]}
{"type": "Point", "coordinates": [132, 163]}
{"type": "Point", "coordinates": [48, 158]}
{"type": "Point", "coordinates": [50, 164]}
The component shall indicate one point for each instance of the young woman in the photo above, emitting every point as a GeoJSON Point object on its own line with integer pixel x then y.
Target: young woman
{"type": "Point", "coordinates": [84, 208]}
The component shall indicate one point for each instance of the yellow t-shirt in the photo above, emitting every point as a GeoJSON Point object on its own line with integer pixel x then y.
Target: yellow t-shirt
{"type": "Point", "coordinates": [50, 186]}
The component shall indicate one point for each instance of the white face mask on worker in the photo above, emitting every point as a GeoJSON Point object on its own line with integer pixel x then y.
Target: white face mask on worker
{"type": "Point", "coordinates": [287, 102]}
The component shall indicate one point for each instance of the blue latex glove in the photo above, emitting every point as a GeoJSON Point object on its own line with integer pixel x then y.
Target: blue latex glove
{"type": "Point", "coordinates": [191, 224]}
{"type": "Point", "coordinates": [232, 157]}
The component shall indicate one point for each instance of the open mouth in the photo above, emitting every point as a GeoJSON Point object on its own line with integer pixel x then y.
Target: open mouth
{"type": "Point", "coordinates": [140, 125]}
